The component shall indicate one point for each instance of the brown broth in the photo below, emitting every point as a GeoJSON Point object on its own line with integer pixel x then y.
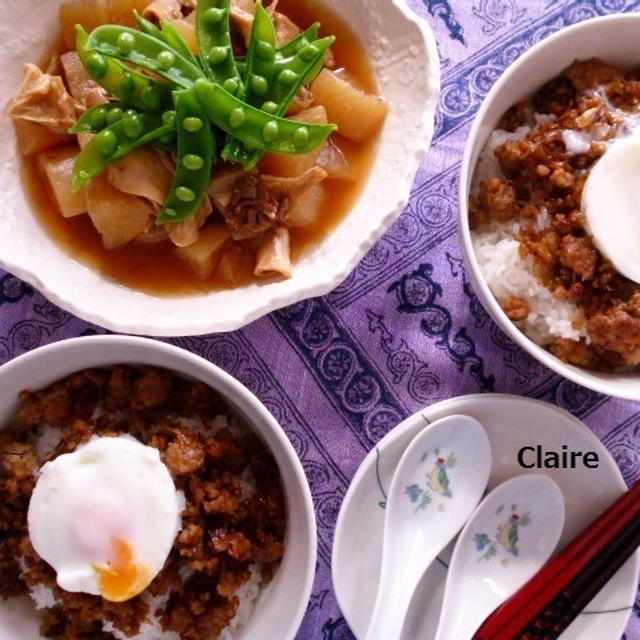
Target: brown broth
{"type": "Point", "coordinates": [155, 269]}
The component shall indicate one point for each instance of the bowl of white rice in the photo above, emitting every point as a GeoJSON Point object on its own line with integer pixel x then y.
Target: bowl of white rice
{"type": "Point", "coordinates": [495, 263]}
{"type": "Point", "coordinates": [267, 609]}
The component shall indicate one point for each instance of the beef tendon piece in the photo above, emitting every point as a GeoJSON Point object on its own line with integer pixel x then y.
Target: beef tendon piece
{"type": "Point", "coordinates": [252, 208]}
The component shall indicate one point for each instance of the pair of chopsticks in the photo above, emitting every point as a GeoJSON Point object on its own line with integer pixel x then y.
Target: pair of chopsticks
{"type": "Point", "coordinates": [544, 607]}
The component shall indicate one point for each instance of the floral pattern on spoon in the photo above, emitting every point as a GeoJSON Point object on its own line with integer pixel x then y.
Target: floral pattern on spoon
{"type": "Point", "coordinates": [437, 480]}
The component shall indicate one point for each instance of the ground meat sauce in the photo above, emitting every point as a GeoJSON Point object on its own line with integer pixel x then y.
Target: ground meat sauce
{"type": "Point", "coordinates": [223, 532]}
{"type": "Point", "coordinates": [540, 172]}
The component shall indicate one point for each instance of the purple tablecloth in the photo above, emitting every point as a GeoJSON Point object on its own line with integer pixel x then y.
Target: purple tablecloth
{"type": "Point", "coordinates": [405, 329]}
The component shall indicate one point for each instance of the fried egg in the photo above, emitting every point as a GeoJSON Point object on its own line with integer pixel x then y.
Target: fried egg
{"type": "Point", "coordinates": [611, 205]}
{"type": "Point", "coordinates": [105, 517]}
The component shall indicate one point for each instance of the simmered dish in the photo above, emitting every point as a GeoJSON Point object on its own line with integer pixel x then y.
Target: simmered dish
{"type": "Point", "coordinates": [188, 146]}
{"type": "Point", "coordinates": [554, 216]}
{"type": "Point", "coordinates": [136, 504]}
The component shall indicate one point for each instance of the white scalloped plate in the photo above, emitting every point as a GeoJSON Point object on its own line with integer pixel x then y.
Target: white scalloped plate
{"type": "Point", "coordinates": [404, 56]}
{"type": "Point", "coordinates": [511, 423]}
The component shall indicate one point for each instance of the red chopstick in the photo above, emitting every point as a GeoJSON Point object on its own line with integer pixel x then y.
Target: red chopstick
{"type": "Point", "coordinates": [557, 590]}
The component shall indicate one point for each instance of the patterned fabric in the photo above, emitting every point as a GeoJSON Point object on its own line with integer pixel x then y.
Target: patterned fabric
{"type": "Point", "coordinates": [405, 329]}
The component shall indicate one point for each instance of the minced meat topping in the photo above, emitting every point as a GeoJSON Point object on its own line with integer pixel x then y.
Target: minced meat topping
{"type": "Point", "coordinates": [543, 173]}
{"type": "Point", "coordinates": [228, 529]}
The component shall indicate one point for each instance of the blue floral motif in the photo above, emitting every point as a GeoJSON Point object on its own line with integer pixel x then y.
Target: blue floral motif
{"type": "Point", "coordinates": [497, 14]}
{"type": "Point", "coordinates": [416, 293]}
{"type": "Point", "coordinates": [623, 443]}
{"type": "Point", "coordinates": [572, 397]}
{"type": "Point", "coordinates": [485, 78]}
{"type": "Point", "coordinates": [13, 290]}
{"type": "Point", "coordinates": [515, 358]}
{"type": "Point", "coordinates": [328, 510]}
{"type": "Point", "coordinates": [25, 336]}
{"type": "Point", "coordinates": [317, 474]}
{"type": "Point", "coordinates": [336, 630]}
{"type": "Point", "coordinates": [402, 361]}
{"type": "Point", "coordinates": [610, 5]}
{"type": "Point", "coordinates": [362, 392]}
{"type": "Point", "coordinates": [380, 422]}
{"type": "Point", "coordinates": [442, 9]}
{"type": "Point", "coordinates": [481, 540]}
{"type": "Point", "coordinates": [414, 492]}
{"type": "Point", "coordinates": [456, 99]}
{"type": "Point", "coordinates": [338, 363]}
{"type": "Point", "coordinates": [225, 354]}
{"type": "Point", "coordinates": [363, 397]}
{"type": "Point", "coordinates": [295, 311]}
{"type": "Point", "coordinates": [317, 330]}
{"type": "Point", "coordinates": [475, 306]}
{"type": "Point", "coordinates": [576, 398]}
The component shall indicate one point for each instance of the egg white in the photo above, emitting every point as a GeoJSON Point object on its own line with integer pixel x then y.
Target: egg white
{"type": "Point", "coordinates": [112, 488]}
{"type": "Point", "coordinates": [611, 205]}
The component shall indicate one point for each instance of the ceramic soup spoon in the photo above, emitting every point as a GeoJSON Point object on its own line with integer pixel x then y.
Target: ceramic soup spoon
{"type": "Point", "coordinates": [510, 536]}
{"type": "Point", "coordinates": [436, 486]}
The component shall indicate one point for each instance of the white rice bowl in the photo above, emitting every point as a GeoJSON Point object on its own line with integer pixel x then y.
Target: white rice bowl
{"type": "Point", "coordinates": [290, 587]}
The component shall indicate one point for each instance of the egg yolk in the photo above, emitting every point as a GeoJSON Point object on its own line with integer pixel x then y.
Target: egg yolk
{"type": "Point", "coordinates": [122, 578]}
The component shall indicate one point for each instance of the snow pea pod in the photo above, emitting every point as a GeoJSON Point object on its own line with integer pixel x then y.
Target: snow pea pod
{"type": "Point", "coordinates": [174, 39]}
{"type": "Point", "coordinates": [97, 118]}
{"type": "Point", "coordinates": [116, 140]}
{"type": "Point", "coordinates": [241, 65]}
{"type": "Point", "coordinates": [101, 116]}
{"type": "Point", "coordinates": [260, 57]}
{"type": "Point", "coordinates": [195, 157]}
{"type": "Point", "coordinates": [213, 34]}
{"type": "Point", "coordinates": [129, 86]}
{"type": "Point", "coordinates": [257, 79]}
{"type": "Point", "coordinates": [298, 70]}
{"type": "Point", "coordinates": [168, 34]}
{"type": "Point", "coordinates": [290, 74]}
{"type": "Point", "coordinates": [290, 48]}
{"type": "Point", "coordinates": [145, 51]}
{"type": "Point", "coordinates": [146, 26]}
{"type": "Point", "coordinates": [255, 128]}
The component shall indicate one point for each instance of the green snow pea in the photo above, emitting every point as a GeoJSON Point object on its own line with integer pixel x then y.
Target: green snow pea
{"type": "Point", "coordinates": [255, 128]}
{"type": "Point", "coordinates": [129, 86]}
{"type": "Point", "coordinates": [145, 51]}
{"type": "Point", "coordinates": [214, 43]}
{"type": "Point", "coordinates": [195, 157]}
{"type": "Point", "coordinates": [260, 57]}
{"type": "Point", "coordinates": [292, 73]}
{"type": "Point", "coordinates": [168, 34]}
{"type": "Point", "coordinates": [174, 40]}
{"type": "Point", "coordinates": [241, 65]}
{"type": "Point", "coordinates": [146, 26]}
{"type": "Point", "coordinates": [100, 117]}
{"type": "Point", "coordinates": [257, 80]}
{"type": "Point", "coordinates": [290, 48]}
{"type": "Point", "coordinates": [131, 131]}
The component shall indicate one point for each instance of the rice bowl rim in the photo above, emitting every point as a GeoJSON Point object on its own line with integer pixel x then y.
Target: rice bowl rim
{"type": "Point", "coordinates": [605, 37]}
{"type": "Point", "coordinates": [44, 365]}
